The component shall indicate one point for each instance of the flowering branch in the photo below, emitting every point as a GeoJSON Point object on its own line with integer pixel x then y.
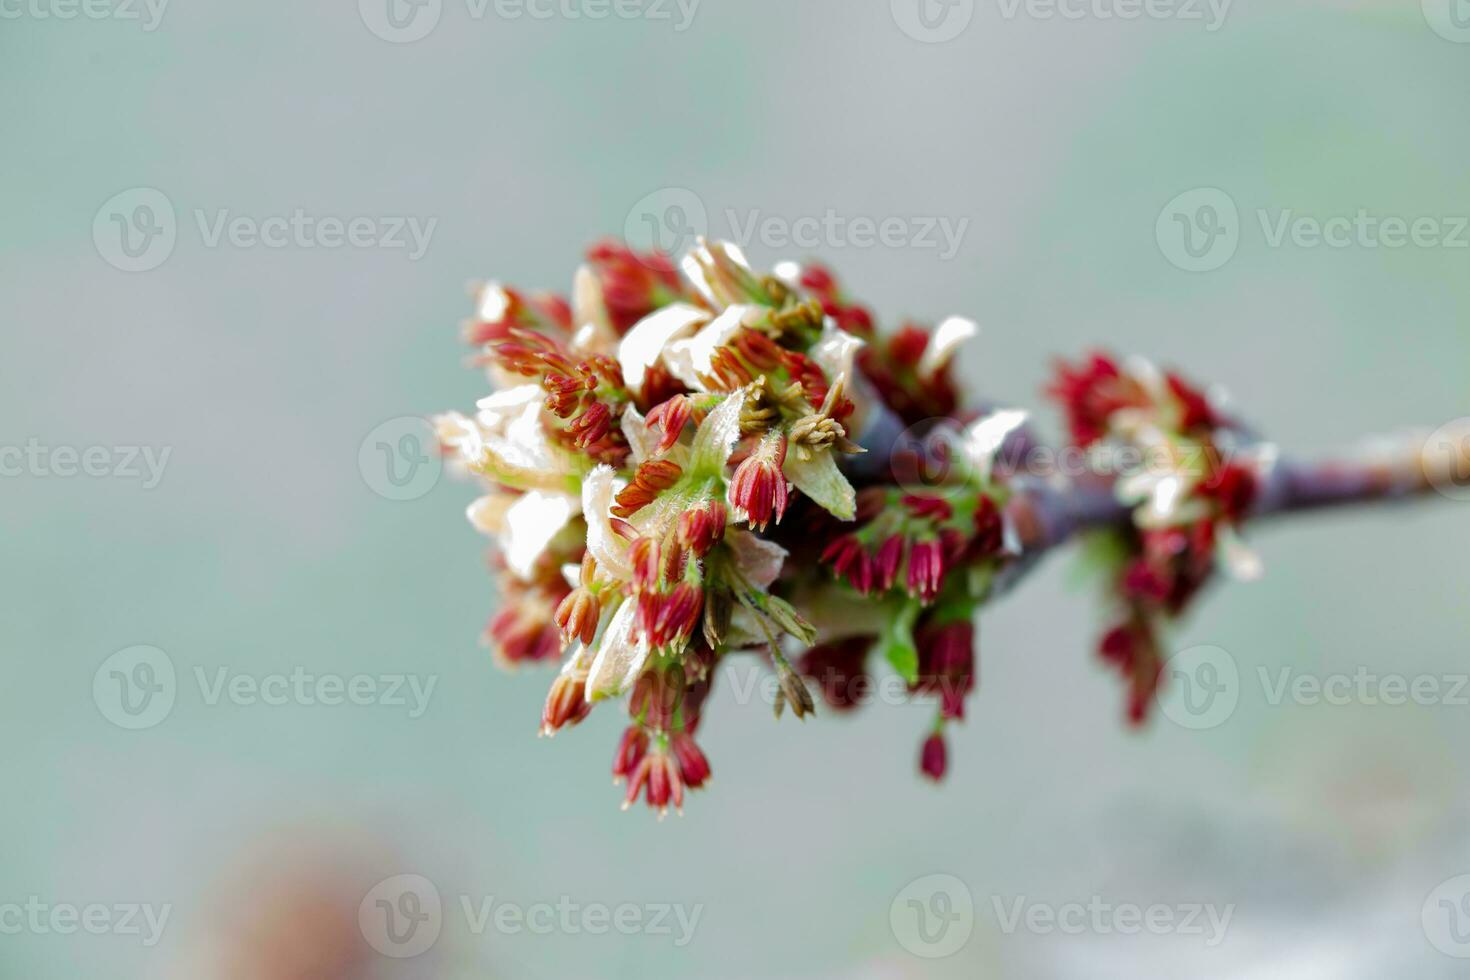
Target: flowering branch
{"type": "Point", "coordinates": [685, 463]}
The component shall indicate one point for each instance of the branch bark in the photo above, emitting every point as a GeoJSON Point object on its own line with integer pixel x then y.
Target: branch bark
{"type": "Point", "coordinates": [1049, 513]}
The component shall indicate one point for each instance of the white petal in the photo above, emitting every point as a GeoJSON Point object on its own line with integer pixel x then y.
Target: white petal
{"type": "Point", "coordinates": [607, 546]}
{"type": "Point", "coordinates": [498, 409]}
{"type": "Point", "coordinates": [530, 524]}
{"type": "Point", "coordinates": [1010, 535]}
{"type": "Point", "coordinates": [985, 437]}
{"type": "Point", "coordinates": [693, 268]}
{"type": "Point", "coordinates": [645, 342]}
{"type": "Point", "coordinates": [818, 477]}
{"type": "Point", "coordinates": [523, 444]}
{"type": "Point", "coordinates": [1147, 374]}
{"type": "Point", "coordinates": [943, 343]}
{"type": "Point", "coordinates": [689, 360]}
{"type": "Point", "coordinates": [1241, 561]}
{"type": "Point", "coordinates": [788, 272]}
{"type": "Point", "coordinates": [1167, 494]}
{"type": "Point", "coordinates": [571, 572]}
{"type": "Point", "coordinates": [460, 435]}
{"type": "Point", "coordinates": [717, 434]}
{"type": "Point", "coordinates": [756, 558]}
{"type": "Point", "coordinates": [1135, 488]}
{"type": "Point", "coordinates": [493, 303]}
{"type": "Point", "coordinates": [487, 514]}
{"type": "Point", "coordinates": [619, 658]}
{"type": "Point", "coordinates": [594, 333]}
{"type": "Point", "coordinates": [641, 441]}
{"type": "Point", "coordinates": [835, 350]}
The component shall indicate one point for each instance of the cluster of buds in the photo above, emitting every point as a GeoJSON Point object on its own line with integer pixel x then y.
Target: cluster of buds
{"type": "Point", "coordinates": [666, 475]}
{"type": "Point", "coordinates": [674, 472]}
{"type": "Point", "coordinates": [691, 460]}
{"type": "Point", "coordinates": [1193, 478]}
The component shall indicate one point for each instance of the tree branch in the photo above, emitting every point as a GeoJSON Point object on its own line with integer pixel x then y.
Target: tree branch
{"type": "Point", "coordinates": [1048, 513]}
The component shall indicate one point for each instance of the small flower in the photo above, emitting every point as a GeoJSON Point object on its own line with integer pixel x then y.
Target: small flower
{"type": "Point", "coordinates": [849, 559]}
{"type": "Point", "coordinates": [632, 284]}
{"type": "Point", "coordinates": [668, 619]}
{"type": "Point", "coordinates": [925, 569]}
{"type": "Point", "coordinates": [566, 703]}
{"type": "Point", "coordinates": [703, 526]}
{"type": "Point", "coordinates": [1091, 393]}
{"type": "Point", "coordinates": [652, 478]}
{"type": "Point", "coordinates": [523, 630]}
{"type": "Point", "coordinates": [591, 426]}
{"type": "Point", "coordinates": [887, 562]}
{"type": "Point", "coordinates": [670, 417]}
{"type": "Point", "coordinates": [577, 615]}
{"type": "Point", "coordinates": [694, 768]}
{"type": "Point", "coordinates": [631, 749]}
{"type": "Point", "coordinates": [656, 776]}
{"type": "Point", "coordinates": [758, 489]}
{"type": "Point", "coordinates": [933, 757]}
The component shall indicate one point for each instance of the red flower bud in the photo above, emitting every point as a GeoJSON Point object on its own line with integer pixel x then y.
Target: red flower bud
{"type": "Point", "coordinates": [934, 757]}
{"type": "Point", "coordinates": [631, 749]}
{"type": "Point", "coordinates": [758, 488]}
{"type": "Point", "coordinates": [577, 616]}
{"type": "Point", "coordinates": [693, 766]}
{"type": "Point", "coordinates": [926, 569]}
{"type": "Point", "coordinates": [888, 561]}
{"type": "Point", "coordinates": [929, 508]}
{"type": "Point", "coordinates": [670, 417]}
{"type": "Point", "coordinates": [653, 477]}
{"type": "Point", "coordinates": [702, 527]}
{"type": "Point", "coordinates": [566, 702]}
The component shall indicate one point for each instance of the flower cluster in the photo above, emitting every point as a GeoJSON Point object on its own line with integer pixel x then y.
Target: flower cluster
{"type": "Point", "coordinates": [1192, 479]}
{"type": "Point", "coordinates": [666, 467]}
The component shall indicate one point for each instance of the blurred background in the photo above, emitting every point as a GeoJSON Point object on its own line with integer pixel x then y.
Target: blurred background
{"type": "Point", "coordinates": [208, 260]}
